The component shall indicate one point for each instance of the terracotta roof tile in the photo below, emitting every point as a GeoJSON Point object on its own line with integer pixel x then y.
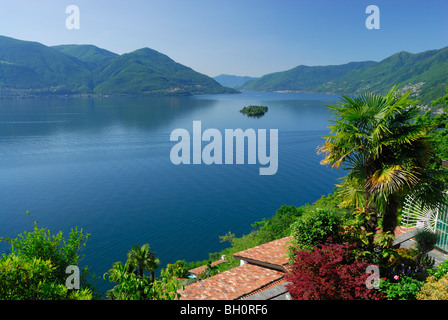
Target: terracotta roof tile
{"type": "Point", "coordinates": [402, 230]}
{"type": "Point", "coordinates": [246, 279]}
{"type": "Point", "coordinates": [268, 286]}
{"type": "Point", "coordinates": [273, 254]}
{"type": "Point", "coordinates": [249, 278]}
{"type": "Point", "coordinates": [232, 284]}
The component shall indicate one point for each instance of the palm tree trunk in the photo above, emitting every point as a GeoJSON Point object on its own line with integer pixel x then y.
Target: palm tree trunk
{"type": "Point", "coordinates": [371, 224]}
{"type": "Point", "coordinates": [390, 218]}
{"type": "Point", "coordinates": [371, 221]}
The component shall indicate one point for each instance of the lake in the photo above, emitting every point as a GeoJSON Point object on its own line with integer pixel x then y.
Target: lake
{"type": "Point", "coordinates": [103, 165]}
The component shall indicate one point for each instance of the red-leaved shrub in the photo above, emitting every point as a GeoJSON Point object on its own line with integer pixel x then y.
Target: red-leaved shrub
{"type": "Point", "coordinates": [329, 273]}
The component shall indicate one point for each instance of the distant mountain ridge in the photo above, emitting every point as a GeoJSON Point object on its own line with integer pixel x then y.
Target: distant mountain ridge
{"type": "Point", "coordinates": [34, 66]}
{"type": "Point", "coordinates": [425, 74]}
{"type": "Point", "coordinates": [31, 68]}
{"type": "Point", "coordinates": [91, 55]}
{"type": "Point", "coordinates": [232, 81]}
{"type": "Point", "coordinates": [302, 78]}
{"type": "Point", "coordinates": [152, 72]}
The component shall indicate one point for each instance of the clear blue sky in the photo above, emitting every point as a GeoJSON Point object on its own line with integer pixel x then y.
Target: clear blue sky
{"type": "Point", "coordinates": [241, 37]}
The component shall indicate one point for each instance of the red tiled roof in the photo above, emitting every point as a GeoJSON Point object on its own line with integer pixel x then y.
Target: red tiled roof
{"type": "Point", "coordinates": [272, 254]}
{"type": "Point", "coordinates": [231, 284]}
{"type": "Point", "coordinates": [249, 278]}
{"type": "Point", "coordinates": [246, 279]}
{"type": "Point", "coordinates": [445, 164]}
{"type": "Point", "coordinates": [402, 230]}
{"type": "Point", "coordinates": [270, 285]}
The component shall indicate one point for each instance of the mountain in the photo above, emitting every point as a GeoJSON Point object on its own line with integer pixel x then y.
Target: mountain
{"type": "Point", "coordinates": [19, 77]}
{"type": "Point", "coordinates": [31, 68]}
{"type": "Point", "coordinates": [31, 65]}
{"type": "Point", "coordinates": [302, 78]}
{"type": "Point", "coordinates": [146, 71]}
{"type": "Point", "coordinates": [92, 56]}
{"type": "Point", "coordinates": [426, 74]}
{"type": "Point", "coordinates": [233, 81]}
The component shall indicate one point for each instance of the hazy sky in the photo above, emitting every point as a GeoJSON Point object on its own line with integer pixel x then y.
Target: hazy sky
{"type": "Point", "coordinates": [241, 37]}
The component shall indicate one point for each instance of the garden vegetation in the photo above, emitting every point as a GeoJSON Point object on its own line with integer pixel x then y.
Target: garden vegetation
{"type": "Point", "coordinates": [389, 148]}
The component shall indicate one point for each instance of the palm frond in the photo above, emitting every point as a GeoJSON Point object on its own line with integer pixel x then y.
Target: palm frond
{"type": "Point", "coordinates": [390, 180]}
{"type": "Point", "coordinates": [352, 193]}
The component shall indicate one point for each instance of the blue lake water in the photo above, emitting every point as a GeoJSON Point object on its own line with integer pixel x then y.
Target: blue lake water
{"type": "Point", "coordinates": [103, 164]}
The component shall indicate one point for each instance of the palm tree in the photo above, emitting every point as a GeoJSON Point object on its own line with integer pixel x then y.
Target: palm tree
{"type": "Point", "coordinates": [386, 154]}
{"type": "Point", "coordinates": [141, 259]}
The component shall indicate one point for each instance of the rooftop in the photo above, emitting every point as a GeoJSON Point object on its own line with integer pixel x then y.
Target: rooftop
{"type": "Point", "coordinates": [445, 164]}
{"type": "Point", "coordinates": [262, 268]}
{"type": "Point", "coordinates": [260, 275]}
{"type": "Point", "coordinates": [232, 284]}
{"type": "Point", "coordinates": [270, 255]}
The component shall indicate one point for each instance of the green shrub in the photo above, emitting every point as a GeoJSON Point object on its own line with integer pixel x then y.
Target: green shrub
{"type": "Point", "coordinates": [178, 269]}
{"type": "Point", "coordinates": [403, 288]}
{"type": "Point", "coordinates": [426, 241]}
{"type": "Point", "coordinates": [24, 278]}
{"type": "Point", "coordinates": [278, 226]}
{"type": "Point", "coordinates": [315, 227]}
{"type": "Point", "coordinates": [132, 286]}
{"type": "Point", "coordinates": [440, 271]}
{"type": "Point", "coordinates": [41, 243]}
{"type": "Point", "coordinates": [42, 259]}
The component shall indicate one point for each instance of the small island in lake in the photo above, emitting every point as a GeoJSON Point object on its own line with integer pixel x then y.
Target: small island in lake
{"type": "Point", "coordinates": [254, 111]}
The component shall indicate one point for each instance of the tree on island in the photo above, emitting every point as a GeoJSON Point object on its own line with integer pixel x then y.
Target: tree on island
{"type": "Point", "coordinates": [254, 111]}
